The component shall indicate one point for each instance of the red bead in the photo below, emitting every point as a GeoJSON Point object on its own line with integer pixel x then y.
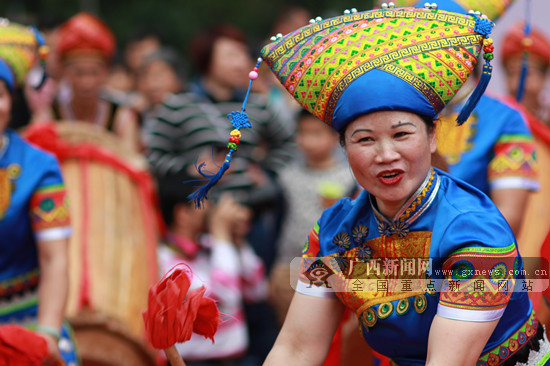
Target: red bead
{"type": "Point", "coordinates": [489, 49]}
{"type": "Point", "coordinates": [255, 69]}
{"type": "Point", "coordinates": [234, 139]}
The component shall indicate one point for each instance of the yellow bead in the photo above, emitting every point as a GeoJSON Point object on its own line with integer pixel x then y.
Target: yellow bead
{"type": "Point", "coordinates": [236, 133]}
{"type": "Point", "coordinates": [487, 41]}
{"type": "Point", "coordinates": [43, 51]}
{"type": "Point", "coordinates": [527, 42]}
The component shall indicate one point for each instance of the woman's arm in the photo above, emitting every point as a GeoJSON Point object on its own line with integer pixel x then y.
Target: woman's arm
{"type": "Point", "coordinates": [307, 332]}
{"type": "Point", "coordinates": [53, 287]}
{"type": "Point", "coordinates": [456, 342]}
{"type": "Point", "coordinates": [511, 203]}
{"type": "Point", "coordinates": [127, 127]}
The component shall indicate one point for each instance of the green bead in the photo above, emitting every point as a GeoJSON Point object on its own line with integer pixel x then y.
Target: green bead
{"type": "Point", "coordinates": [488, 56]}
{"type": "Point", "coordinates": [232, 146]}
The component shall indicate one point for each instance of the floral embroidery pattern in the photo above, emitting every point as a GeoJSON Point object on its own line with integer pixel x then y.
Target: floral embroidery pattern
{"type": "Point", "coordinates": [364, 253]}
{"type": "Point", "coordinates": [342, 241]}
{"type": "Point", "coordinates": [399, 228]}
{"type": "Point", "coordinates": [359, 233]}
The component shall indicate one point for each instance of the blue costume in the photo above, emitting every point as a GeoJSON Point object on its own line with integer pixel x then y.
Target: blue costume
{"type": "Point", "coordinates": [494, 149]}
{"type": "Point", "coordinates": [463, 241]}
{"type": "Point", "coordinates": [33, 206]}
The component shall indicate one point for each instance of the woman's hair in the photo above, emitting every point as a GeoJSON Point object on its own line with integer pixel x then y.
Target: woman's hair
{"type": "Point", "coordinates": [428, 121]}
{"type": "Point", "coordinates": [202, 46]}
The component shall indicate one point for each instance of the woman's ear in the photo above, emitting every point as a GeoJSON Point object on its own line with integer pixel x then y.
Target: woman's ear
{"type": "Point", "coordinates": [432, 137]}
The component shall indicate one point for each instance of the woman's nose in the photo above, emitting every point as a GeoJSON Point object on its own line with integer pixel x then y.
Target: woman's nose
{"type": "Point", "coordinates": [386, 153]}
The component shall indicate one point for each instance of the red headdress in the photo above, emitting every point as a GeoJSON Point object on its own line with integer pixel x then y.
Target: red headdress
{"type": "Point", "coordinates": [85, 35]}
{"type": "Point", "coordinates": [516, 43]}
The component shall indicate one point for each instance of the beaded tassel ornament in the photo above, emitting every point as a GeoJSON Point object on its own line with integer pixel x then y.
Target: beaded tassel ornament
{"type": "Point", "coordinates": [527, 43]}
{"type": "Point", "coordinates": [484, 27]}
{"type": "Point", "coordinates": [239, 120]}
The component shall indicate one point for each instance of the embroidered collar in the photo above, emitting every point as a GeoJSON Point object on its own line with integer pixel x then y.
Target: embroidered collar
{"type": "Point", "coordinates": [411, 209]}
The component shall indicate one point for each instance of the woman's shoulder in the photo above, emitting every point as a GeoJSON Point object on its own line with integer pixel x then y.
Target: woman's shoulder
{"type": "Point", "coordinates": [468, 217]}
{"type": "Point", "coordinates": [23, 149]}
{"type": "Point", "coordinates": [460, 197]}
{"type": "Point", "coordinates": [345, 211]}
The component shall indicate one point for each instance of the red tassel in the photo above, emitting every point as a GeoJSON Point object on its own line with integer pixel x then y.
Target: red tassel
{"type": "Point", "coordinates": [174, 312]}
{"type": "Point", "coordinates": [20, 346]}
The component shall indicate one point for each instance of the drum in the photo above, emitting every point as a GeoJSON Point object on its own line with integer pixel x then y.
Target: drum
{"type": "Point", "coordinates": [113, 247]}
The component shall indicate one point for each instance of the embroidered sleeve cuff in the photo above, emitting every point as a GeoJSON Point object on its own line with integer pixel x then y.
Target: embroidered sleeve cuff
{"type": "Point", "coordinates": [313, 290]}
{"type": "Point", "coordinates": [56, 233]}
{"type": "Point", "coordinates": [515, 183]}
{"type": "Point", "coordinates": [469, 315]}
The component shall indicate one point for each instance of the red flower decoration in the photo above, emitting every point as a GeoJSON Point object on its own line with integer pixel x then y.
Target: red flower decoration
{"type": "Point", "coordinates": [174, 312]}
{"type": "Point", "coordinates": [21, 347]}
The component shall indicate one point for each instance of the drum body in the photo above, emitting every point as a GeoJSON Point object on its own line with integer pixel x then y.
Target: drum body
{"type": "Point", "coordinates": [113, 247]}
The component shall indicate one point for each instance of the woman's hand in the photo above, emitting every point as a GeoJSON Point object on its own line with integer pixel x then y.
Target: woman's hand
{"type": "Point", "coordinates": [54, 356]}
{"type": "Point", "coordinates": [229, 220]}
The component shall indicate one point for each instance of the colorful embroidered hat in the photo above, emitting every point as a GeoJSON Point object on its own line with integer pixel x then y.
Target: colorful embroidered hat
{"type": "Point", "coordinates": [85, 35]}
{"type": "Point", "coordinates": [20, 47]}
{"type": "Point", "coordinates": [408, 59]}
{"type": "Point", "coordinates": [492, 8]}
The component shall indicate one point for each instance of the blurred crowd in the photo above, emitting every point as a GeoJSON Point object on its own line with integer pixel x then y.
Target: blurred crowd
{"type": "Point", "coordinates": [173, 113]}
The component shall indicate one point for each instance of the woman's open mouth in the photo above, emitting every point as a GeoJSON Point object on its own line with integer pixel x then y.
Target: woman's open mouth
{"type": "Point", "coordinates": [390, 177]}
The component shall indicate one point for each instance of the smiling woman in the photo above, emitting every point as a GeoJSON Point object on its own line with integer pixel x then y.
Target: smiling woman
{"type": "Point", "coordinates": [380, 78]}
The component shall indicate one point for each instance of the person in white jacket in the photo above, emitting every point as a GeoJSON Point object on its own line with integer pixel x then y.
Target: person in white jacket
{"type": "Point", "coordinates": [212, 242]}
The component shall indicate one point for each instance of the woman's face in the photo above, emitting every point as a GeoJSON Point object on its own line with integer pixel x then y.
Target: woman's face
{"type": "Point", "coordinates": [5, 106]}
{"type": "Point", "coordinates": [230, 63]}
{"type": "Point", "coordinates": [534, 83]}
{"type": "Point", "coordinates": [86, 77]}
{"type": "Point", "coordinates": [390, 155]}
{"type": "Point", "coordinates": [158, 80]}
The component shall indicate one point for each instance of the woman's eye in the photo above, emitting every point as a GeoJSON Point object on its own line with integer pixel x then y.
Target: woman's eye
{"type": "Point", "coordinates": [401, 134]}
{"type": "Point", "coordinates": [365, 139]}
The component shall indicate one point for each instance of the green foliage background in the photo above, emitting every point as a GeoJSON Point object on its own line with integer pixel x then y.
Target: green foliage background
{"type": "Point", "coordinates": [177, 20]}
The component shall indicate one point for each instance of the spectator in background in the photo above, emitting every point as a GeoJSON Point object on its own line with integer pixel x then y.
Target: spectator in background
{"type": "Point", "coordinates": [141, 44]}
{"type": "Point", "coordinates": [310, 185]}
{"type": "Point", "coordinates": [212, 242]}
{"type": "Point", "coordinates": [189, 123]}
{"type": "Point", "coordinates": [119, 86]}
{"type": "Point", "coordinates": [86, 47]}
{"type": "Point", "coordinates": [162, 75]}
{"type": "Point", "coordinates": [537, 48]}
